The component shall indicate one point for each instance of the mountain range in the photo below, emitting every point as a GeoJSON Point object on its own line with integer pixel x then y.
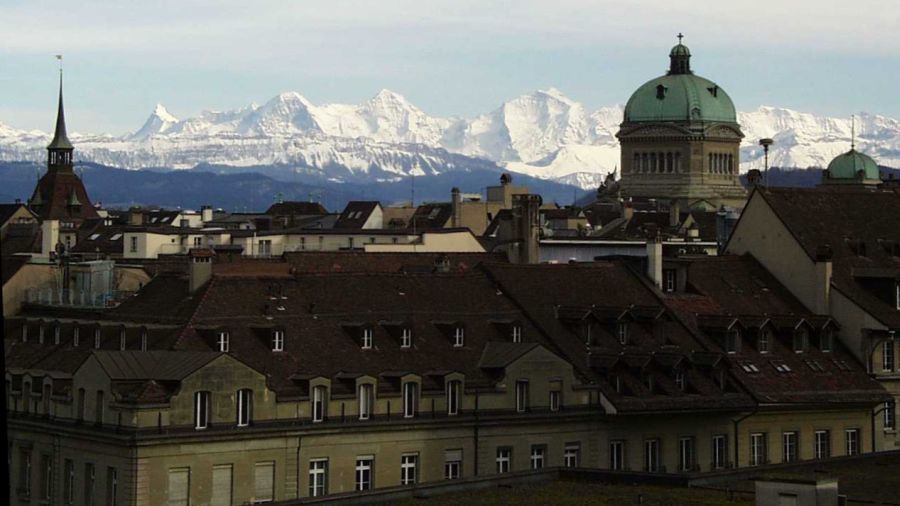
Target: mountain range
{"type": "Point", "coordinates": [543, 134]}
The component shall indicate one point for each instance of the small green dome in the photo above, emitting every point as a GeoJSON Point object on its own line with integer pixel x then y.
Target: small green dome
{"type": "Point", "coordinates": [848, 165]}
{"type": "Point", "coordinates": [680, 97]}
{"type": "Point", "coordinates": [680, 50]}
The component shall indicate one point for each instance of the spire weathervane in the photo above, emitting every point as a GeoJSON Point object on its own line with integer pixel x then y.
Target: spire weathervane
{"type": "Point", "coordinates": [852, 132]}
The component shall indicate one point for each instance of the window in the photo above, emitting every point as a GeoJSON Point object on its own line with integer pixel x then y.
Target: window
{"type": "Point", "coordinates": [90, 477]}
{"type": "Point", "coordinates": [69, 483]}
{"type": "Point", "coordinates": [97, 338]}
{"type": "Point", "coordinates": [112, 486]}
{"type": "Point", "coordinates": [265, 247]}
{"type": "Point", "coordinates": [81, 402]}
{"type": "Point", "coordinates": [366, 341]}
{"type": "Point", "coordinates": [56, 334]}
{"type": "Point", "coordinates": [223, 343]}
{"type": "Point", "coordinates": [320, 397]}
{"type": "Point", "coordinates": [410, 399]}
{"type": "Point", "coordinates": [24, 332]}
{"type": "Point", "coordinates": [887, 356]}
{"type": "Point", "coordinates": [133, 247]}
{"type": "Point", "coordinates": [516, 334]}
{"type": "Point", "coordinates": [679, 380]}
{"type": "Point", "coordinates": [651, 455]}
{"type": "Point", "coordinates": [25, 472]}
{"type": "Point", "coordinates": [364, 473]}
{"type": "Point", "coordinates": [179, 486]}
{"type": "Point", "coordinates": [318, 477]}
{"type": "Point", "coordinates": [366, 398]}
{"type": "Point", "coordinates": [122, 336]}
{"type": "Point", "coordinates": [41, 334]}
{"type": "Point", "coordinates": [764, 340]}
{"type": "Point", "coordinates": [719, 451]}
{"type": "Point", "coordinates": [222, 485]}
{"type": "Point", "coordinates": [622, 332]}
{"type": "Point", "coordinates": [823, 444]}
{"type": "Point", "coordinates": [453, 464]}
{"type": "Point", "coordinates": [826, 339]}
{"type": "Point", "coordinates": [406, 338]}
{"type": "Point", "coordinates": [459, 337]}
{"type": "Point", "coordinates": [572, 454]}
{"type": "Point", "coordinates": [144, 340]}
{"type": "Point", "coordinates": [617, 455]}
{"type": "Point", "coordinates": [733, 341]}
{"type": "Point", "coordinates": [789, 446]}
{"type": "Point", "coordinates": [201, 410]}
{"type": "Point", "coordinates": [453, 391]}
{"type": "Point", "coordinates": [538, 452]}
{"type": "Point", "coordinates": [244, 407]}
{"type": "Point", "coordinates": [504, 458]}
{"type": "Point", "coordinates": [409, 465]}
{"type": "Point", "coordinates": [75, 336]}
{"type": "Point", "coordinates": [46, 477]}
{"type": "Point", "coordinates": [98, 408]}
{"type": "Point", "coordinates": [686, 455]}
{"type": "Point", "coordinates": [669, 277]}
{"type": "Point", "coordinates": [264, 482]}
{"type": "Point", "coordinates": [277, 340]}
{"type": "Point", "coordinates": [555, 396]}
{"type": "Point", "coordinates": [852, 437]}
{"type": "Point", "coordinates": [521, 396]}
{"type": "Point", "coordinates": [801, 340]}
{"type": "Point", "coordinates": [198, 241]}
{"type": "Point", "coordinates": [889, 415]}
{"type": "Point", "coordinates": [757, 448]}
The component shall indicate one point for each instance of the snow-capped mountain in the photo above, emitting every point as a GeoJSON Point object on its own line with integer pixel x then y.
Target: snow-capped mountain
{"type": "Point", "coordinates": [543, 134]}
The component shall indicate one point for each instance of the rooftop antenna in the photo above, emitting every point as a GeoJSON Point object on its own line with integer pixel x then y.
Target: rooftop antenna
{"type": "Point", "coordinates": [852, 132]}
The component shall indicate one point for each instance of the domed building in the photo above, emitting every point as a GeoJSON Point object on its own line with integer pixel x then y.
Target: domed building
{"type": "Point", "coordinates": [680, 140]}
{"type": "Point", "coordinates": [852, 169]}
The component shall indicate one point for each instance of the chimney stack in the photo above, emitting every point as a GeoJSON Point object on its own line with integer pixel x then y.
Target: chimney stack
{"type": "Point", "coordinates": [206, 214]}
{"type": "Point", "coordinates": [455, 205]}
{"type": "Point", "coordinates": [526, 229]}
{"type": "Point", "coordinates": [200, 267]}
{"type": "Point", "coordinates": [49, 236]}
{"type": "Point", "coordinates": [655, 260]}
{"type": "Point", "coordinates": [135, 216]}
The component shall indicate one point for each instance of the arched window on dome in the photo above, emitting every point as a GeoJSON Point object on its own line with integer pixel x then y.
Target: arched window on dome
{"type": "Point", "coordinates": [670, 163]}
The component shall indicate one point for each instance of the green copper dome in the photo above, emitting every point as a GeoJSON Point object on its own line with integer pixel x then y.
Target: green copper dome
{"type": "Point", "coordinates": [848, 165]}
{"type": "Point", "coordinates": [680, 95]}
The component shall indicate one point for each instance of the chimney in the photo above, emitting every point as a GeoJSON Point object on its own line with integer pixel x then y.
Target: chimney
{"type": "Point", "coordinates": [526, 229]}
{"type": "Point", "coordinates": [627, 210]}
{"type": "Point", "coordinates": [206, 214]}
{"type": "Point", "coordinates": [200, 267]}
{"type": "Point", "coordinates": [135, 216]}
{"type": "Point", "coordinates": [654, 260]}
{"type": "Point", "coordinates": [49, 236]}
{"type": "Point", "coordinates": [455, 204]}
{"type": "Point", "coordinates": [674, 213]}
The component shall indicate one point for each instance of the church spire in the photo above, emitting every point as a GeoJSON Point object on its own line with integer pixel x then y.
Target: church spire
{"type": "Point", "coordinates": [60, 149]}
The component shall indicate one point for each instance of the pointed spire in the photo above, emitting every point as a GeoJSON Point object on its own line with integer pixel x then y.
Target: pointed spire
{"type": "Point", "coordinates": [60, 139]}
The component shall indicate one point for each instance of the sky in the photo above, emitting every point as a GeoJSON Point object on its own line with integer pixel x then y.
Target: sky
{"type": "Point", "coordinates": [448, 57]}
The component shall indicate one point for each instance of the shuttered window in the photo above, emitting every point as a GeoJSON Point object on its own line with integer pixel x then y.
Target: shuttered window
{"type": "Point", "coordinates": [179, 486]}
{"type": "Point", "coordinates": [264, 482]}
{"type": "Point", "coordinates": [221, 485]}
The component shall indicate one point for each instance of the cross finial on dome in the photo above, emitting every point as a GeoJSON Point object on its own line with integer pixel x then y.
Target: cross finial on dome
{"type": "Point", "coordinates": [680, 36]}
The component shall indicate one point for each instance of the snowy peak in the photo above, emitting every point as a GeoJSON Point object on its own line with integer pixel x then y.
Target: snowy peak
{"type": "Point", "coordinates": [159, 122]}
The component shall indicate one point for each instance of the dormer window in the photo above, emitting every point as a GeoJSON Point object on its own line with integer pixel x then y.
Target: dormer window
{"type": "Point", "coordinates": [516, 334]}
{"type": "Point", "coordinates": [617, 383]}
{"type": "Point", "coordinates": [410, 399]}
{"type": "Point", "coordinates": [733, 341]}
{"type": "Point", "coordinates": [801, 340]}
{"type": "Point", "coordinates": [648, 381]}
{"type": "Point", "coordinates": [406, 338]}
{"type": "Point", "coordinates": [122, 340]}
{"type": "Point", "coordinates": [75, 336]}
{"type": "Point", "coordinates": [366, 339]}
{"type": "Point", "coordinates": [661, 92]}
{"type": "Point", "coordinates": [897, 296]}
{"type": "Point", "coordinates": [669, 280]}
{"type": "Point", "coordinates": [826, 339]}
{"type": "Point", "coordinates": [764, 340]}
{"type": "Point", "coordinates": [41, 334]}
{"type": "Point", "coordinates": [24, 332]}
{"type": "Point", "coordinates": [320, 394]}
{"type": "Point", "coordinates": [56, 334]}
{"type": "Point", "coordinates": [277, 340]}
{"type": "Point", "coordinates": [223, 341]}
{"type": "Point", "coordinates": [97, 338]}
{"type": "Point", "coordinates": [622, 332]}
{"type": "Point", "coordinates": [453, 397]}
{"type": "Point", "coordinates": [459, 337]}
{"type": "Point", "coordinates": [144, 340]}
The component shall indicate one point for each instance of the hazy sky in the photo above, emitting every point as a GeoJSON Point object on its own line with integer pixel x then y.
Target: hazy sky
{"type": "Point", "coordinates": [449, 57]}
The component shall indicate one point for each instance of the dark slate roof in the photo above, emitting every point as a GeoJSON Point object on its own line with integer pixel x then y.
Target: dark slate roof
{"type": "Point", "coordinates": [840, 222]}
{"type": "Point", "coordinates": [155, 365]}
{"type": "Point", "coordinates": [21, 238]}
{"type": "Point", "coordinates": [738, 289]}
{"type": "Point", "coordinates": [354, 261]}
{"type": "Point", "coordinates": [55, 188]}
{"type": "Point", "coordinates": [7, 210]}
{"type": "Point", "coordinates": [355, 214]}
{"type": "Point", "coordinates": [10, 265]}
{"type": "Point", "coordinates": [501, 354]}
{"type": "Point", "coordinates": [164, 299]}
{"type": "Point", "coordinates": [560, 299]}
{"type": "Point", "coordinates": [431, 216]}
{"type": "Point", "coordinates": [295, 208]}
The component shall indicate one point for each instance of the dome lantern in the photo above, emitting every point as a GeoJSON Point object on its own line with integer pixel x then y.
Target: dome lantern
{"type": "Point", "coordinates": [680, 58]}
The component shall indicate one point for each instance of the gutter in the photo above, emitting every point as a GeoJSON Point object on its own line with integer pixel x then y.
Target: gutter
{"type": "Point", "coordinates": [737, 445]}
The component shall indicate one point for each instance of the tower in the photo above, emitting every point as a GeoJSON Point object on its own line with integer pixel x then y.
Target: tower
{"type": "Point", "coordinates": [680, 140]}
{"type": "Point", "coordinates": [60, 193]}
